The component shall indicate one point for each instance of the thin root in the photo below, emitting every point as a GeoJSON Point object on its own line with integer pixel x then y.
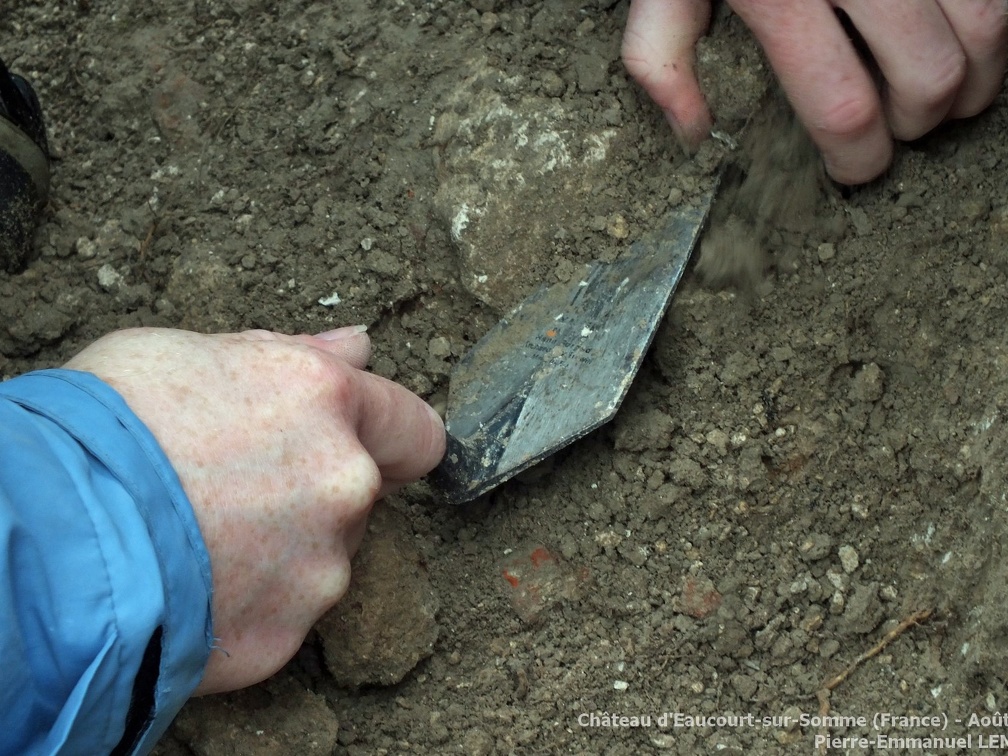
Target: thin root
{"type": "Point", "coordinates": [824, 692]}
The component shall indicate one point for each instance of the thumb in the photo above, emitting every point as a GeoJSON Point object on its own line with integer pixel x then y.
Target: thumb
{"type": "Point", "coordinates": [659, 46]}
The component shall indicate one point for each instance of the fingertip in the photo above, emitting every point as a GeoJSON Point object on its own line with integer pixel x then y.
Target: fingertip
{"type": "Point", "coordinates": [983, 32]}
{"type": "Point", "coordinates": [428, 456]}
{"type": "Point", "coordinates": [691, 125]}
{"type": "Point", "coordinates": [855, 143]}
{"type": "Point", "coordinates": [404, 435]}
{"type": "Point", "coordinates": [436, 449]}
{"type": "Point", "coordinates": [659, 48]}
{"type": "Point", "coordinates": [851, 168]}
{"type": "Point", "coordinates": [351, 344]}
{"type": "Point", "coordinates": [848, 125]}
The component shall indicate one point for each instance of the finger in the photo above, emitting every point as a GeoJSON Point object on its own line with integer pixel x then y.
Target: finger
{"type": "Point", "coordinates": [981, 27]}
{"type": "Point", "coordinates": [659, 50]}
{"type": "Point", "coordinates": [827, 84]}
{"type": "Point", "coordinates": [351, 344]}
{"type": "Point", "coordinates": [402, 433]}
{"type": "Point", "coordinates": [919, 56]}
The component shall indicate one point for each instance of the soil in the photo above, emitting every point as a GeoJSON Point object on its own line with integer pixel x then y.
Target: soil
{"type": "Point", "coordinates": [805, 478]}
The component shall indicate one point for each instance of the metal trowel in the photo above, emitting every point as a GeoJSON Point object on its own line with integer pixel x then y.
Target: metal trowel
{"type": "Point", "coordinates": [559, 365]}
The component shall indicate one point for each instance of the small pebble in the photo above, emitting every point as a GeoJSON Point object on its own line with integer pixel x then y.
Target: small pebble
{"type": "Point", "coordinates": [848, 558]}
{"type": "Point", "coordinates": [439, 348]}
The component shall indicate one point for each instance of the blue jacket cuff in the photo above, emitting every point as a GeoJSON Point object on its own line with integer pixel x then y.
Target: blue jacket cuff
{"type": "Point", "coordinates": [104, 550]}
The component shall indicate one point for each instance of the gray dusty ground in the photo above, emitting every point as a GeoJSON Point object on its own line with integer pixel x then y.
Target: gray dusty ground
{"type": "Point", "coordinates": [798, 469]}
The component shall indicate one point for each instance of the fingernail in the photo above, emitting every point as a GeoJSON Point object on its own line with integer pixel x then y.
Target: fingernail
{"type": "Point", "coordinates": [341, 333]}
{"type": "Point", "coordinates": [435, 413]}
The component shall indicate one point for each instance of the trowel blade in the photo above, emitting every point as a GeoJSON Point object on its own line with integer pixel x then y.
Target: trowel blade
{"type": "Point", "coordinates": [559, 365]}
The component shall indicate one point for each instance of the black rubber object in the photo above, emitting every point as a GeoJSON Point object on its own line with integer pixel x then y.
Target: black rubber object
{"type": "Point", "coordinates": [24, 168]}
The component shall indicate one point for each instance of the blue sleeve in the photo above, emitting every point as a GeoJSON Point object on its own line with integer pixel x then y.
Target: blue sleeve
{"type": "Point", "coordinates": [105, 582]}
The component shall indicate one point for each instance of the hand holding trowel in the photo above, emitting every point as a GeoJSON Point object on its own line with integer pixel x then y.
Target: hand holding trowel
{"type": "Point", "coordinates": [559, 365]}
